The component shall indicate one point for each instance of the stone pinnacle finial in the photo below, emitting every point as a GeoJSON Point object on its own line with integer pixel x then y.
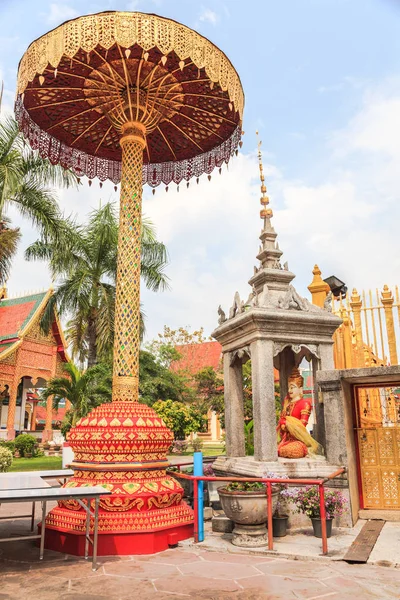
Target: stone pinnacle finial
{"type": "Point", "coordinates": [265, 213]}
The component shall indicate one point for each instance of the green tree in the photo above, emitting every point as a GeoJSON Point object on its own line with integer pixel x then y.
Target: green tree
{"type": "Point", "coordinates": [84, 389]}
{"type": "Point", "coordinates": [25, 180]}
{"type": "Point", "coordinates": [9, 239]}
{"type": "Point", "coordinates": [84, 258]}
{"type": "Point", "coordinates": [210, 389]}
{"type": "Point", "coordinates": [181, 418]}
{"type": "Point", "coordinates": [157, 382]}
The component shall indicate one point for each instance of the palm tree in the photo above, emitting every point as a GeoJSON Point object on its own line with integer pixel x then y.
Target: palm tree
{"type": "Point", "coordinates": [24, 183]}
{"type": "Point", "coordinates": [85, 259]}
{"type": "Point", "coordinates": [9, 239]}
{"type": "Point", "coordinates": [84, 389]}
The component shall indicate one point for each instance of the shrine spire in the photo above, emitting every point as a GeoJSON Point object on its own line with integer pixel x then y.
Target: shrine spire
{"type": "Point", "coordinates": [265, 213]}
{"type": "Point", "coordinates": [269, 253]}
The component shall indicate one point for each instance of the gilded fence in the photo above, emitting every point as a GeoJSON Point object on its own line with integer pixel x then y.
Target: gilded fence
{"type": "Point", "coordinates": [370, 332]}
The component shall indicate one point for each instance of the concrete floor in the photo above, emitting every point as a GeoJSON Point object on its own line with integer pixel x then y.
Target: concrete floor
{"type": "Point", "coordinates": [200, 572]}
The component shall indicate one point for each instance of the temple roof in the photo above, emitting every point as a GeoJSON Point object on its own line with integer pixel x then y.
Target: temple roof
{"type": "Point", "coordinates": [18, 315]}
{"type": "Point", "coordinates": [195, 357]}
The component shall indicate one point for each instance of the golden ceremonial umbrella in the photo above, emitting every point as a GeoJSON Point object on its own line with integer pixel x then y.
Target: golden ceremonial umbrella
{"type": "Point", "coordinates": [134, 98]}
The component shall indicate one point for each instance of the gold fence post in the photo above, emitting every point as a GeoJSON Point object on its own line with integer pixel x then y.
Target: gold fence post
{"type": "Point", "coordinates": [356, 304]}
{"type": "Point", "coordinates": [387, 301]}
{"type": "Point", "coordinates": [318, 288]}
{"type": "Point", "coordinates": [347, 338]}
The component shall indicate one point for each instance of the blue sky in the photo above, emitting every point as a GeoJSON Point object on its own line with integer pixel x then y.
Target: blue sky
{"type": "Point", "coordinates": [322, 86]}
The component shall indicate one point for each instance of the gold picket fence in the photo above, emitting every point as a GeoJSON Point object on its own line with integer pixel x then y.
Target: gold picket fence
{"type": "Point", "coordinates": [370, 331]}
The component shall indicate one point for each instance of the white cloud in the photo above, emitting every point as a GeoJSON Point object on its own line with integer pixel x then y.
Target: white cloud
{"type": "Point", "coordinates": [209, 16]}
{"type": "Point", "coordinates": [60, 13]}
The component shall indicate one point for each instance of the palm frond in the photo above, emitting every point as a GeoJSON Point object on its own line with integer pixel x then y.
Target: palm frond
{"type": "Point", "coordinates": [9, 239]}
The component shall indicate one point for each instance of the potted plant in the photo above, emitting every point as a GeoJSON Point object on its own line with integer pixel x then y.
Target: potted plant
{"type": "Point", "coordinates": [307, 502]}
{"type": "Point", "coordinates": [246, 503]}
{"type": "Point", "coordinates": [279, 517]}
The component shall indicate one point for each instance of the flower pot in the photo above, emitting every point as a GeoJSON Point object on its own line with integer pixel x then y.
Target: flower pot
{"type": "Point", "coordinates": [248, 510]}
{"type": "Point", "coordinates": [316, 523]}
{"type": "Point", "coordinates": [28, 454]}
{"type": "Point", "coordinates": [279, 526]}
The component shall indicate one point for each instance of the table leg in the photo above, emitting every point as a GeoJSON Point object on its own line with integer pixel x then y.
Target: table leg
{"type": "Point", "coordinates": [87, 530]}
{"type": "Point", "coordinates": [33, 517]}
{"type": "Point", "coordinates": [95, 533]}
{"type": "Point", "coordinates": [43, 529]}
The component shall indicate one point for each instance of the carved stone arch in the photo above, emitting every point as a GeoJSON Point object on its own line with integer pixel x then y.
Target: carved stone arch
{"type": "Point", "coordinates": [241, 355]}
{"type": "Point", "coordinates": [300, 351]}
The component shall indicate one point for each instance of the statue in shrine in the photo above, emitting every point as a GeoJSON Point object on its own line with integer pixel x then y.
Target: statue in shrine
{"type": "Point", "coordinates": [294, 441]}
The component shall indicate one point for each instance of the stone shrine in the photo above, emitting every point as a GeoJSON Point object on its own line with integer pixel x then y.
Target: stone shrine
{"type": "Point", "coordinates": [274, 327]}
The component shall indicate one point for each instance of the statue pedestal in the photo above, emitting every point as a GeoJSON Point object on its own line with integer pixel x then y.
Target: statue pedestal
{"type": "Point", "coordinates": [295, 468]}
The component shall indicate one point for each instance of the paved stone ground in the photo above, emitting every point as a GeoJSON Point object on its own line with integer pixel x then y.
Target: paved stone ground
{"type": "Point", "coordinates": [185, 572]}
{"type": "Point", "coordinates": [182, 573]}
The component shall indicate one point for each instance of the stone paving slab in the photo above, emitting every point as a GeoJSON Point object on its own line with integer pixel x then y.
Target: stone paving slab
{"type": "Point", "coordinates": [386, 551]}
{"type": "Point", "coordinates": [187, 572]}
{"type": "Point", "coordinates": [299, 544]}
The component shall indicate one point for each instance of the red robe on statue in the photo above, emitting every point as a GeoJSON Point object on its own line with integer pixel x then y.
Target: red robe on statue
{"type": "Point", "coordinates": [290, 446]}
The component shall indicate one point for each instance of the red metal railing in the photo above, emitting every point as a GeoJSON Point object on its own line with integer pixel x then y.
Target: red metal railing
{"type": "Point", "coordinates": [268, 481]}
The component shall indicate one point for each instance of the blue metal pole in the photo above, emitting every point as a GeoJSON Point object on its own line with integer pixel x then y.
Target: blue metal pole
{"type": "Point", "coordinates": [198, 471]}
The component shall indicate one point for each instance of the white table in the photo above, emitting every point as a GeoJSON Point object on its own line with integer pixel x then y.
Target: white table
{"type": "Point", "coordinates": [22, 481]}
{"type": "Point", "coordinates": [43, 492]}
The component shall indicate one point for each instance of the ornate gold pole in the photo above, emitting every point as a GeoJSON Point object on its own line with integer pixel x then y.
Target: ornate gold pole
{"type": "Point", "coordinates": [387, 301]}
{"type": "Point", "coordinates": [356, 304]}
{"type": "Point", "coordinates": [48, 428]}
{"type": "Point", "coordinates": [127, 303]}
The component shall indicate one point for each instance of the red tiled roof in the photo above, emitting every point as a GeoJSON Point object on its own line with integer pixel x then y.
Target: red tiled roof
{"type": "Point", "coordinates": [57, 415]}
{"type": "Point", "coordinates": [13, 317]}
{"type": "Point", "coordinates": [196, 357]}
{"type": "Point", "coordinates": [16, 316]}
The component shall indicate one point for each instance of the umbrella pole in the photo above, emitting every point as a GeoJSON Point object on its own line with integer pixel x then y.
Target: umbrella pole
{"type": "Point", "coordinates": [125, 385]}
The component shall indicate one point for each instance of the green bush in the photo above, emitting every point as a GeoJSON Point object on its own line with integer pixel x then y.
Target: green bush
{"type": "Point", "coordinates": [9, 444]}
{"type": "Point", "coordinates": [197, 445]}
{"type": "Point", "coordinates": [6, 459]}
{"type": "Point", "coordinates": [25, 443]}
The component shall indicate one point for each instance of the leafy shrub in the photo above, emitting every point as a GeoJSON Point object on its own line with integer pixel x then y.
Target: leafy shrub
{"type": "Point", "coordinates": [9, 444]}
{"type": "Point", "coordinates": [197, 445]}
{"type": "Point", "coordinates": [25, 443]}
{"type": "Point", "coordinates": [6, 459]}
{"type": "Point", "coordinates": [181, 418]}
{"type": "Point", "coordinates": [179, 447]}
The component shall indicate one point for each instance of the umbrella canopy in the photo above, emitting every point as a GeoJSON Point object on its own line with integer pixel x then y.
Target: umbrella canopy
{"type": "Point", "coordinates": [78, 85]}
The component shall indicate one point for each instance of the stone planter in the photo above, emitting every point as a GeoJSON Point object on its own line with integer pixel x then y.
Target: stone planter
{"type": "Point", "coordinates": [248, 510]}
{"type": "Point", "coordinates": [316, 523]}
